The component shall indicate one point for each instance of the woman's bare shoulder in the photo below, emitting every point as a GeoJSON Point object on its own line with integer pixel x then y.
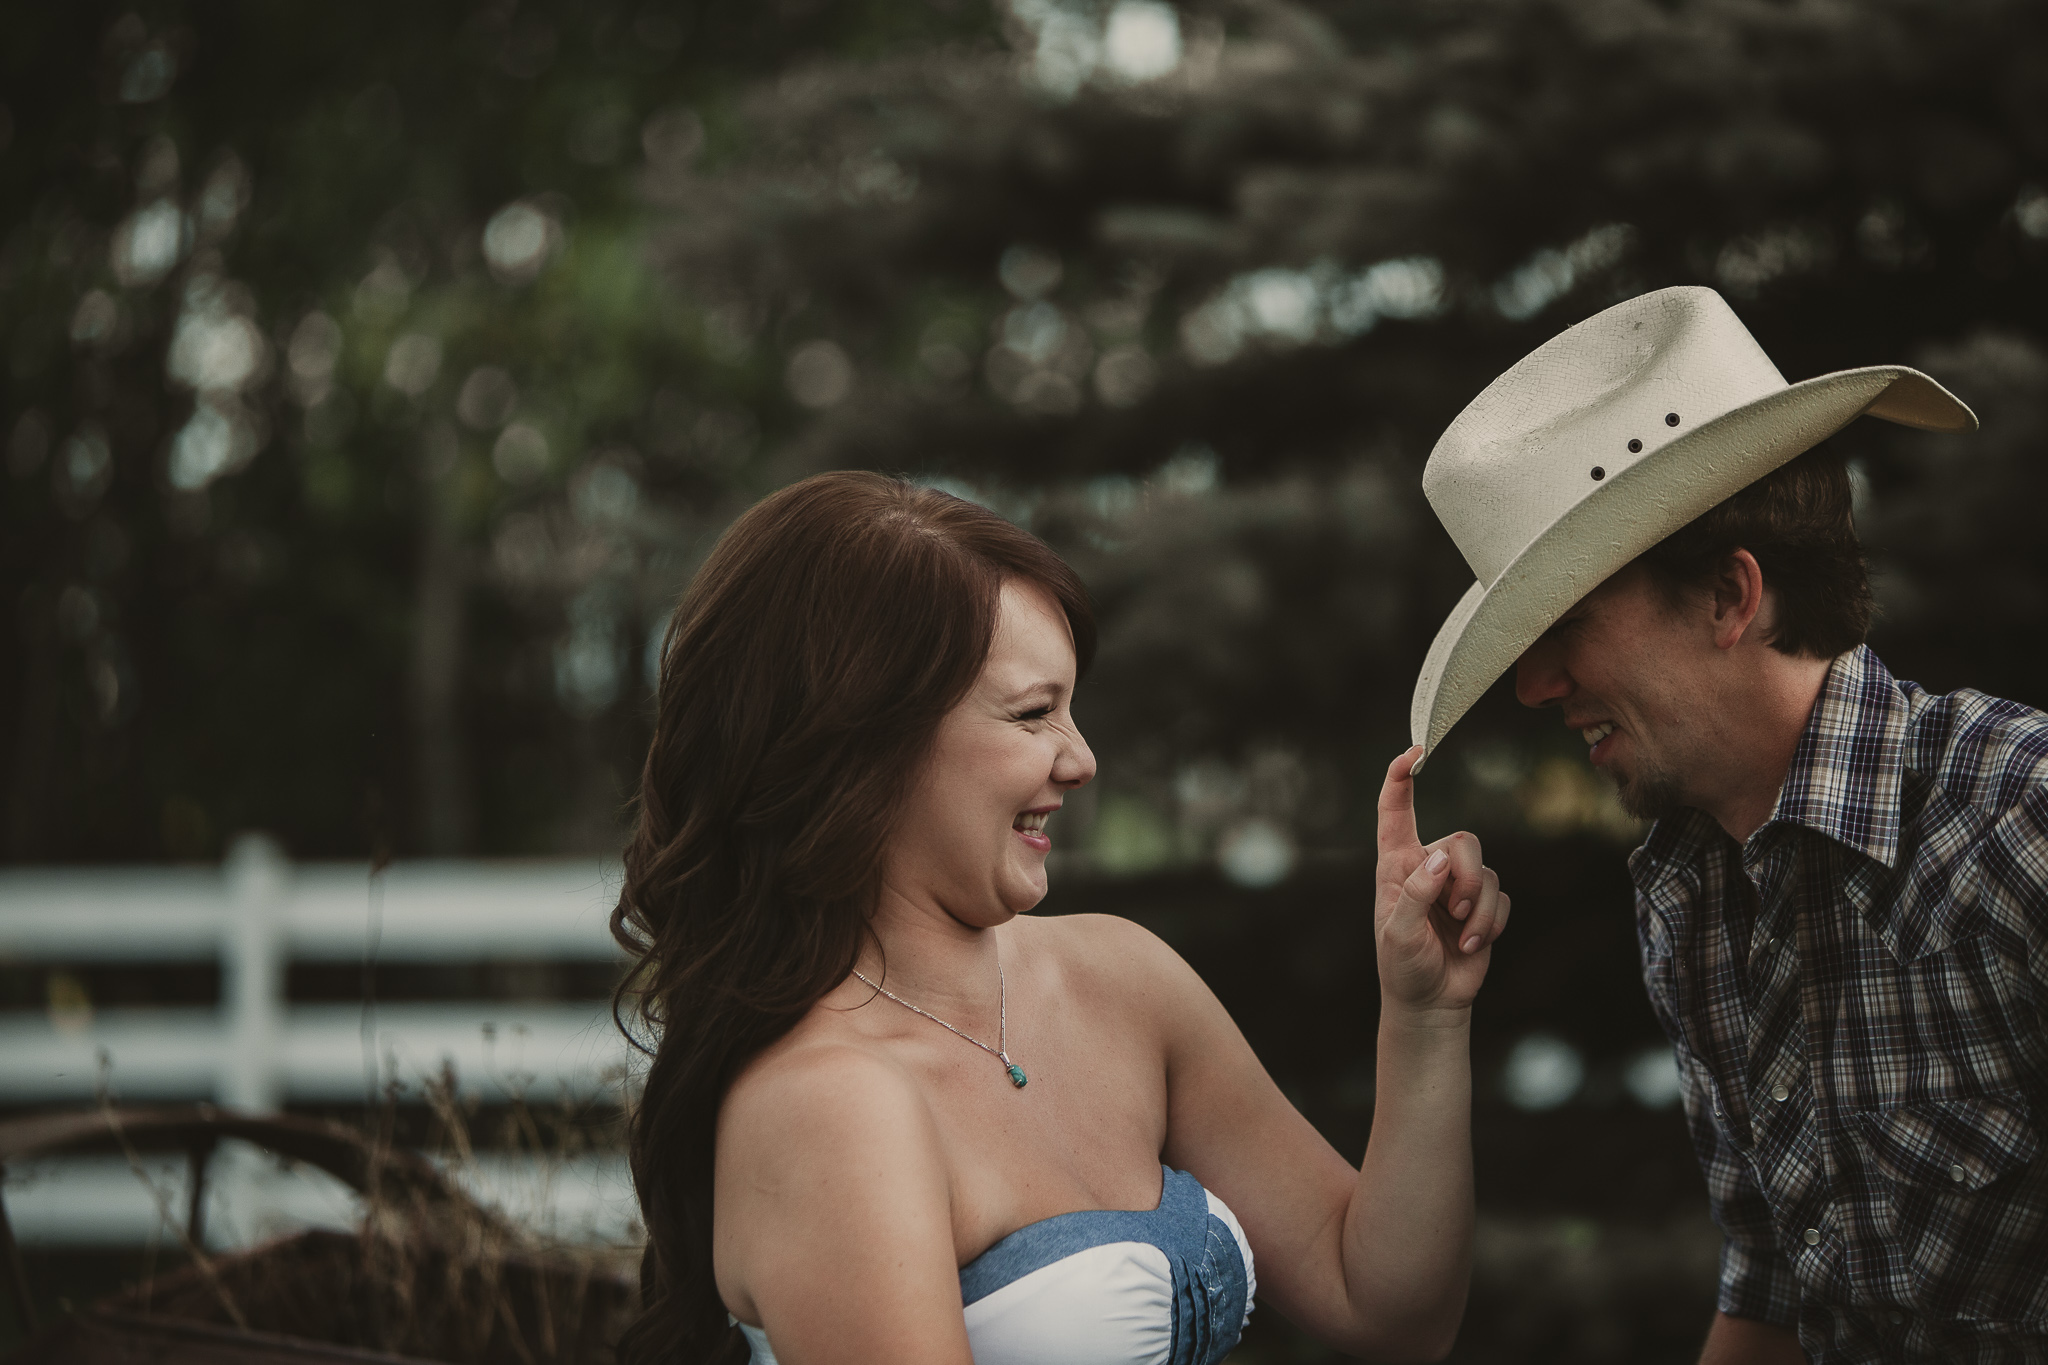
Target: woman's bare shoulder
{"type": "Point", "coordinates": [1108, 941]}
{"type": "Point", "coordinates": [817, 1093]}
{"type": "Point", "coordinates": [1111, 954]}
{"type": "Point", "coordinates": [829, 1170]}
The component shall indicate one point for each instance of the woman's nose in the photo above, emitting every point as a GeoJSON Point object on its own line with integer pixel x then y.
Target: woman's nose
{"type": "Point", "coordinates": [1540, 678]}
{"type": "Point", "coordinates": [1075, 766]}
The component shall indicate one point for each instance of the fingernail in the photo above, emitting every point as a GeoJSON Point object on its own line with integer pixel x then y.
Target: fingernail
{"type": "Point", "coordinates": [1436, 861]}
{"type": "Point", "coordinates": [1464, 909]}
{"type": "Point", "coordinates": [1472, 944]}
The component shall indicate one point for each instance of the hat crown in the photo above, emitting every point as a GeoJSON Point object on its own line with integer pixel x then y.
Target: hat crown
{"type": "Point", "coordinates": [1581, 409]}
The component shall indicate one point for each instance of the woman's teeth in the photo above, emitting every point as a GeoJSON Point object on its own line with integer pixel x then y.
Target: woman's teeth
{"type": "Point", "coordinates": [1595, 733]}
{"type": "Point", "coordinates": [1031, 822]}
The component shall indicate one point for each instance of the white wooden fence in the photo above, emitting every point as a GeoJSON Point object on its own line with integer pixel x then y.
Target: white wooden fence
{"type": "Point", "coordinates": [255, 915]}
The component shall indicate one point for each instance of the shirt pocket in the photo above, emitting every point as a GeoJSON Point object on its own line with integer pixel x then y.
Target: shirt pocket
{"type": "Point", "coordinates": [1967, 1204]}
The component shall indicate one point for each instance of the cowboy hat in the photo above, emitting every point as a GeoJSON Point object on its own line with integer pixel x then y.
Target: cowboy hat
{"type": "Point", "coordinates": [1603, 441]}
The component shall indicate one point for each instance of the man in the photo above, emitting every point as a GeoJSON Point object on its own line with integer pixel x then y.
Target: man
{"type": "Point", "coordinates": [1843, 904]}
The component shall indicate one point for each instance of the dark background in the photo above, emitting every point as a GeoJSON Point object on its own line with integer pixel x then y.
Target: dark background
{"type": "Point", "coordinates": [375, 376]}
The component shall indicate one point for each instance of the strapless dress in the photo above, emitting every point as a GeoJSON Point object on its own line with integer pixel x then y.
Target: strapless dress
{"type": "Point", "coordinates": [1166, 1286]}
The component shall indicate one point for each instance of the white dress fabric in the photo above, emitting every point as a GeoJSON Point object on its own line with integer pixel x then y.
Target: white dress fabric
{"type": "Point", "coordinates": [1166, 1286]}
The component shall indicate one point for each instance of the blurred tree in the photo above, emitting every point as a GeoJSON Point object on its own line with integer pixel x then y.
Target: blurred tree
{"type": "Point", "coordinates": [375, 379]}
{"type": "Point", "coordinates": [301, 308]}
{"type": "Point", "coordinates": [1195, 290]}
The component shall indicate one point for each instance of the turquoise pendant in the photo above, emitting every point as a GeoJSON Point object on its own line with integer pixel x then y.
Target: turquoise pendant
{"type": "Point", "coordinates": [1017, 1076]}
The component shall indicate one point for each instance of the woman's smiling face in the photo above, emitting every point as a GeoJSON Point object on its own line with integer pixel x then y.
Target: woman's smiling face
{"type": "Point", "coordinates": [972, 838]}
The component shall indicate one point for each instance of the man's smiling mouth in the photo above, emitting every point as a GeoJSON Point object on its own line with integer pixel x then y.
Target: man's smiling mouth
{"type": "Point", "coordinates": [1593, 734]}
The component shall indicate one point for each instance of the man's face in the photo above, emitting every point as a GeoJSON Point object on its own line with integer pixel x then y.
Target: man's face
{"type": "Point", "coordinates": [1630, 670]}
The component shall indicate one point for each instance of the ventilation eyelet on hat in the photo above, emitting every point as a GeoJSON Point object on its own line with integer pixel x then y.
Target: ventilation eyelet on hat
{"type": "Point", "coordinates": [1598, 473]}
{"type": "Point", "coordinates": [1670, 419]}
{"type": "Point", "coordinates": [1635, 447]}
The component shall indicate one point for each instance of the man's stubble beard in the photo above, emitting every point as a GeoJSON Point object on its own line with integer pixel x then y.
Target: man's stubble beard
{"type": "Point", "coordinates": [1651, 793]}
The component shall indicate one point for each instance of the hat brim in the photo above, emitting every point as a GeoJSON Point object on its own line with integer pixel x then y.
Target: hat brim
{"type": "Point", "coordinates": [1492, 626]}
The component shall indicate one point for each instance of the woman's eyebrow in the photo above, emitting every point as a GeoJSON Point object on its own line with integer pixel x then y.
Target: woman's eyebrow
{"type": "Point", "coordinates": [1044, 688]}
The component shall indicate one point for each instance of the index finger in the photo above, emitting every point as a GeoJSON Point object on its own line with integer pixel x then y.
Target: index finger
{"type": "Point", "coordinates": [1397, 804]}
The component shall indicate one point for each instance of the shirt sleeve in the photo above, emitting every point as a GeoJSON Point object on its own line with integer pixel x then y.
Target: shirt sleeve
{"type": "Point", "coordinates": [1756, 1281]}
{"type": "Point", "coordinates": [2013, 890]}
{"type": "Point", "coordinates": [2022, 873]}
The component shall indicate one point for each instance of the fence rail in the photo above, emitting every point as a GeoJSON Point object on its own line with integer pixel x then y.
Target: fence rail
{"type": "Point", "coordinates": [255, 916]}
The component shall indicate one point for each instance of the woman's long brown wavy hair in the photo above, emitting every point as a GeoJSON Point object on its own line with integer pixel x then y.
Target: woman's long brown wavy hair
{"type": "Point", "coordinates": [803, 678]}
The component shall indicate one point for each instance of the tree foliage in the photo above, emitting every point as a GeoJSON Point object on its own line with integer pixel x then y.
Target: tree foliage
{"type": "Point", "coordinates": [248, 281]}
{"type": "Point", "coordinates": [472, 330]}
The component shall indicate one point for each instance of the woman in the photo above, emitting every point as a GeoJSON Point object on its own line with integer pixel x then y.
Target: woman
{"type": "Point", "coordinates": [890, 1118]}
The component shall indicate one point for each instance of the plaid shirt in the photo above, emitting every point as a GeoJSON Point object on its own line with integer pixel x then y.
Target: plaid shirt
{"type": "Point", "coordinates": [1856, 996]}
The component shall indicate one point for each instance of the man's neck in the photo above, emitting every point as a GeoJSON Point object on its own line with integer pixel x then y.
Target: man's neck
{"type": "Point", "coordinates": [1775, 715]}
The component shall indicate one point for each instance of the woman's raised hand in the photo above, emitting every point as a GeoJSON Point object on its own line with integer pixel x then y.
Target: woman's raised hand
{"type": "Point", "coordinates": [1438, 908]}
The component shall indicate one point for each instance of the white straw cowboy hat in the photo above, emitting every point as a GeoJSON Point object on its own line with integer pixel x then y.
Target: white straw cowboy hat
{"type": "Point", "coordinates": [1599, 444]}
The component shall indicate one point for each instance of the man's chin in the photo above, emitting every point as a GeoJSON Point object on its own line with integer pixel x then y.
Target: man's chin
{"type": "Point", "coordinates": [1648, 796]}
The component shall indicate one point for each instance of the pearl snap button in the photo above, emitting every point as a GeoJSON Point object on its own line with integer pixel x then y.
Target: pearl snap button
{"type": "Point", "coordinates": [1957, 1173]}
{"type": "Point", "coordinates": [1780, 1093]}
{"type": "Point", "coordinates": [1813, 1237]}
{"type": "Point", "coordinates": [1896, 1317]}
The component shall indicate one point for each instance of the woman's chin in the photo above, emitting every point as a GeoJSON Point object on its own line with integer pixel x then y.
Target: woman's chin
{"type": "Point", "coordinates": [1024, 888]}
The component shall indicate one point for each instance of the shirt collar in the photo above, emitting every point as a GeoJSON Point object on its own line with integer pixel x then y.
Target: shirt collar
{"type": "Point", "coordinates": [1845, 774]}
{"type": "Point", "coordinates": [1663, 868]}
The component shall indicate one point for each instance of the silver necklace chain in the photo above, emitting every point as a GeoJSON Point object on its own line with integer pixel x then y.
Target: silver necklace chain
{"type": "Point", "coordinates": [1001, 1051]}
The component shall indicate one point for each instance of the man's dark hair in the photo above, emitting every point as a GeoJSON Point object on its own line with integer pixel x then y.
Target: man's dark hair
{"type": "Point", "coordinates": [1798, 521]}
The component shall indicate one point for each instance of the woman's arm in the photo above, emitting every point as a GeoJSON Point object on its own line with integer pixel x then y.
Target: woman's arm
{"type": "Point", "coordinates": [1373, 1261]}
{"type": "Point", "coordinates": [834, 1219]}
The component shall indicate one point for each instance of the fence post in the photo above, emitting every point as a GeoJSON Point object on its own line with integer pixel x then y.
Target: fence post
{"type": "Point", "coordinates": [252, 985]}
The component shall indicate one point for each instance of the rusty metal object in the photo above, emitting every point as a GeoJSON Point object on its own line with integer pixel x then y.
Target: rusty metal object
{"type": "Point", "coordinates": [328, 1298]}
{"type": "Point", "coordinates": [333, 1147]}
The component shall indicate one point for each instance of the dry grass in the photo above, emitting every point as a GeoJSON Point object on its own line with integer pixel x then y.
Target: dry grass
{"type": "Point", "coordinates": [427, 1274]}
